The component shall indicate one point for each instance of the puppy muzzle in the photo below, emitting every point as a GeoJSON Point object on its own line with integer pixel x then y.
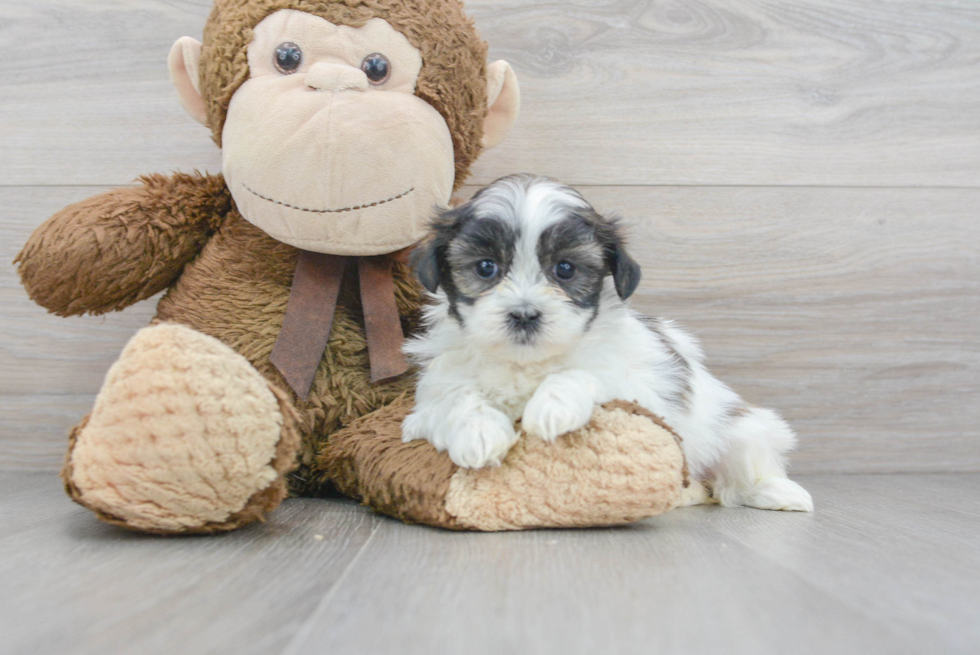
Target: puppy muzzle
{"type": "Point", "coordinates": [524, 323]}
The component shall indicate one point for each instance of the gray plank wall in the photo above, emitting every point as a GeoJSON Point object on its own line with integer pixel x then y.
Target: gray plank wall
{"type": "Point", "coordinates": [802, 178]}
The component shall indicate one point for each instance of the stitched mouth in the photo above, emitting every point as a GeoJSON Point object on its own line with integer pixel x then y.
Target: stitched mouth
{"type": "Point", "coordinates": [326, 211]}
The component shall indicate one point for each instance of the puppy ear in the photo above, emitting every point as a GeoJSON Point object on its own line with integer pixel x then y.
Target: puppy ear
{"type": "Point", "coordinates": [425, 262]}
{"type": "Point", "coordinates": [428, 259]}
{"type": "Point", "coordinates": [625, 271]}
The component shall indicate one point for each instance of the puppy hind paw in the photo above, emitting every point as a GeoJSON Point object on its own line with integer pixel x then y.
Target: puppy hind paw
{"type": "Point", "coordinates": [696, 494]}
{"type": "Point", "coordinates": [776, 494]}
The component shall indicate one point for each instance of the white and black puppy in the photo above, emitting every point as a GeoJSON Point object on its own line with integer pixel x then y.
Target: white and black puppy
{"type": "Point", "coordinates": [530, 322]}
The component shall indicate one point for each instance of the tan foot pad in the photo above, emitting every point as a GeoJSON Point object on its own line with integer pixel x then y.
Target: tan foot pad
{"type": "Point", "coordinates": [622, 467]}
{"type": "Point", "coordinates": [185, 436]}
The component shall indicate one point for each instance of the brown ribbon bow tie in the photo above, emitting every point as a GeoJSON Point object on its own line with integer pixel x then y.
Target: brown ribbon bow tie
{"type": "Point", "coordinates": [310, 310]}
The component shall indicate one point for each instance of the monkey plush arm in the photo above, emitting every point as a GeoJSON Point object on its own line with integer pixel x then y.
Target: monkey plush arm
{"type": "Point", "coordinates": [115, 249]}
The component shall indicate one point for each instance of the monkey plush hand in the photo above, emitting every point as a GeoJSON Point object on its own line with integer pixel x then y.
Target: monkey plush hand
{"type": "Point", "coordinates": [342, 124]}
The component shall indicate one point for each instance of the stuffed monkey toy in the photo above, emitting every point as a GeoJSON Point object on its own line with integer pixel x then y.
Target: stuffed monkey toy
{"type": "Point", "coordinates": [273, 364]}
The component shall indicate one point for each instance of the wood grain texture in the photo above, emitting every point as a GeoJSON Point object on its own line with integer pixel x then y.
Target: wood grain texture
{"type": "Point", "coordinates": [86, 93]}
{"type": "Point", "coordinates": [887, 564]}
{"type": "Point", "coordinates": [854, 312]}
{"type": "Point", "coordinates": [34, 429]}
{"type": "Point", "coordinates": [861, 575]}
{"type": "Point", "coordinates": [754, 92]}
{"type": "Point", "coordinates": [40, 352]}
{"type": "Point", "coordinates": [73, 585]}
{"type": "Point", "coordinates": [905, 548]}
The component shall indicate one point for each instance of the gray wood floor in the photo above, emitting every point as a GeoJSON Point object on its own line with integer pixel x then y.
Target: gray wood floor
{"type": "Point", "coordinates": [802, 180]}
{"type": "Point", "coordinates": [887, 564]}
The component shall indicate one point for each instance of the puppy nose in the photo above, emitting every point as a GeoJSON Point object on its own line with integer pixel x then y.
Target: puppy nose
{"type": "Point", "coordinates": [524, 318]}
{"type": "Point", "coordinates": [336, 77]}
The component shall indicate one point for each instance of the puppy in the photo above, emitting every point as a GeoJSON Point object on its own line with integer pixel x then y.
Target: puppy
{"type": "Point", "coordinates": [530, 322]}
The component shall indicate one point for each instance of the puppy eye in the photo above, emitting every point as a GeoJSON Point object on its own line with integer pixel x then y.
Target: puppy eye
{"type": "Point", "coordinates": [289, 57]}
{"type": "Point", "coordinates": [564, 270]}
{"type": "Point", "coordinates": [377, 68]}
{"type": "Point", "coordinates": [487, 269]}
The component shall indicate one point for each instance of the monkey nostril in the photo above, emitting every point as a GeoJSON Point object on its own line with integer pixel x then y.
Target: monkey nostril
{"type": "Point", "coordinates": [336, 77]}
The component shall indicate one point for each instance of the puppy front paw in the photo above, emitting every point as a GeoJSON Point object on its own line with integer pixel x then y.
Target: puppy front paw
{"type": "Point", "coordinates": [550, 414]}
{"type": "Point", "coordinates": [482, 438]}
{"type": "Point", "coordinates": [474, 434]}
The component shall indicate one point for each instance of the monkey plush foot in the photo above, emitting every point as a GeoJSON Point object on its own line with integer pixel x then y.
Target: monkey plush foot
{"type": "Point", "coordinates": [625, 465]}
{"type": "Point", "coordinates": [185, 436]}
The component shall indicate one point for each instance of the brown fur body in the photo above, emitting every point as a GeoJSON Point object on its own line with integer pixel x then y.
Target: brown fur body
{"type": "Point", "coordinates": [224, 277]}
{"type": "Point", "coordinates": [242, 301]}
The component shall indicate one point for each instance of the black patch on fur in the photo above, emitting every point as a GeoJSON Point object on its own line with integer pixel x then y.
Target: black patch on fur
{"type": "Point", "coordinates": [683, 370]}
{"type": "Point", "coordinates": [479, 239]}
{"type": "Point", "coordinates": [459, 240]}
{"type": "Point", "coordinates": [595, 244]}
{"type": "Point", "coordinates": [573, 239]}
{"type": "Point", "coordinates": [595, 314]}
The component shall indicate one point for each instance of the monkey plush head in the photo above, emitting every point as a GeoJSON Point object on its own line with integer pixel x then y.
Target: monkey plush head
{"type": "Point", "coordinates": [344, 123]}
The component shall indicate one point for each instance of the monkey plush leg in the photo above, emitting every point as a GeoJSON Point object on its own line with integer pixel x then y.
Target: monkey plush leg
{"type": "Point", "coordinates": [621, 467]}
{"type": "Point", "coordinates": [185, 436]}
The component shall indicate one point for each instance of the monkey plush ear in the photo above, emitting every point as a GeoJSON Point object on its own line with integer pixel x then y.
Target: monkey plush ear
{"type": "Point", "coordinates": [184, 59]}
{"type": "Point", "coordinates": [503, 103]}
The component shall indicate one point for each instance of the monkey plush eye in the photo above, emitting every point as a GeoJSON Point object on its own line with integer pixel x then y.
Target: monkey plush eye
{"type": "Point", "coordinates": [486, 269]}
{"type": "Point", "coordinates": [564, 270]}
{"type": "Point", "coordinates": [289, 57]}
{"type": "Point", "coordinates": [377, 68]}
